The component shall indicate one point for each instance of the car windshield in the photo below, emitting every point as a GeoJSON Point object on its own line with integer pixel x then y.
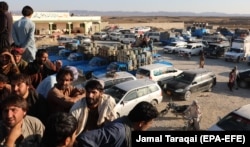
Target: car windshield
{"type": "Point", "coordinates": [234, 122]}
{"type": "Point", "coordinates": [236, 50]}
{"type": "Point", "coordinates": [72, 57]}
{"type": "Point", "coordinates": [64, 53]}
{"type": "Point", "coordinates": [74, 41]}
{"type": "Point", "coordinates": [185, 78]}
{"type": "Point", "coordinates": [112, 67]}
{"type": "Point", "coordinates": [189, 47]}
{"type": "Point", "coordinates": [172, 44]}
{"type": "Point", "coordinates": [94, 62]}
{"type": "Point", "coordinates": [116, 93]}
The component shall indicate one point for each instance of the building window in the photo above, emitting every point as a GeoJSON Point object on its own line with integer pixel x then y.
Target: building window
{"type": "Point", "coordinates": [67, 26]}
{"type": "Point", "coordinates": [53, 26]}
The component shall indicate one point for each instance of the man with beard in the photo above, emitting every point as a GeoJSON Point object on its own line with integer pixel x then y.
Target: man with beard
{"type": "Point", "coordinates": [21, 86]}
{"type": "Point", "coordinates": [63, 95]}
{"type": "Point", "coordinates": [41, 67]}
{"type": "Point", "coordinates": [95, 109]}
{"type": "Point", "coordinates": [17, 128]}
{"type": "Point", "coordinates": [7, 63]}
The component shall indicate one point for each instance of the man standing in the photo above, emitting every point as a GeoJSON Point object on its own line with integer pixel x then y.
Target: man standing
{"type": "Point", "coordinates": [95, 109]}
{"type": "Point", "coordinates": [202, 60]}
{"type": "Point", "coordinates": [236, 74]}
{"type": "Point", "coordinates": [17, 128]}
{"type": "Point", "coordinates": [231, 79]}
{"type": "Point", "coordinates": [23, 34]}
{"type": "Point", "coordinates": [6, 22]}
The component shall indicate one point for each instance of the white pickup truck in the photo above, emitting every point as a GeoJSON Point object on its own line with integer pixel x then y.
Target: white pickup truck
{"type": "Point", "coordinates": [234, 54]}
{"type": "Point", "coordinates": [239, 51]}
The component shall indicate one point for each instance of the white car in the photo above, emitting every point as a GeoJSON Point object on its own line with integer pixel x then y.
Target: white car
{"type": "Point", "coordinates": [64, 39]}
{"type": "Point", "coordinates": [84, 39]}
{"type": "Point", "coordinates": [130, 93]}
{"type": "Point", "coordinates": [111, 79]}
{"type": "Point", "coordinates": [193, 48]}
{"type": "Point", "coordinates": [100, 35]}
{"type": "Point", "coordinates": [174, 47]}
{"type": "Point", "coordinates": [237, 120]}
{"type": "Point", "coordinates": [157, 72]}
{"type": "Point", "coordinates": [115, 36]}
{"type": "Point", "coordinates": [127, 38]}
{"type": "Point", "coordinates": [153, 35]}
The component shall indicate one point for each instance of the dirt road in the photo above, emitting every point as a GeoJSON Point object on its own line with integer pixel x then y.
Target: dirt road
{"type": "Point", "coordinates": [213, 104]}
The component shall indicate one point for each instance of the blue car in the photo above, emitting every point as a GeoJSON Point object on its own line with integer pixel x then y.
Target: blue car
{"type": "Point", "coordinates": [95, 64]}
{"type": "Point", "coordinates": [62, 54]}
{"type": "Point", "coordinates": [74, 59]}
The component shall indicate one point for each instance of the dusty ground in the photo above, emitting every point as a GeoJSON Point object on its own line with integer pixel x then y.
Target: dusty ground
{"type": "Point", "coordinates": [213, 104]}
{"type": "Point", "coordinates": [230, 22]}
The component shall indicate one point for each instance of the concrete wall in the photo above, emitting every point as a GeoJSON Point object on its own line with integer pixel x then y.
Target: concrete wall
{"type": "Point", "coordinates": [164, 25]}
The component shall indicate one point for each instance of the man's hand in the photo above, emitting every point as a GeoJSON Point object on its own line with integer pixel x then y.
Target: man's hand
{"type": "Point", "coordinates": [58, 65]}
{"type": "Point", "coordinates": [10, 55]}
{"type": "Point", "coordinates": [14, 134]}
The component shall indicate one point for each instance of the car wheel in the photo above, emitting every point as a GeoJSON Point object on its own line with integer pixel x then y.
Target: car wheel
{"type": "Point", "coordinates": [210, 87]}
{"type": "Point", "coordinates": [154, 102]}
{"type": "Point", "coordinates": [242, 84]}
{"type": "Point", "coordinates": [187, 95]}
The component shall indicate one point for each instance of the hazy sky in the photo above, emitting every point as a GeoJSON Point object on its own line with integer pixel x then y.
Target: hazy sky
{"type": "Point", "coordinates": [225, 6]}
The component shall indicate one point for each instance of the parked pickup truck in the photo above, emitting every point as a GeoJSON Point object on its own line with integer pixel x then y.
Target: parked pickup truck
{"type": "Point", "coordinates": [62, 54]}
{"type": "Point", "coordinates": [96, 63]}
{"type": "Point", "coordinates": [239, 51]}
{"type": "Point", "coordinates": [74, 59]}
{"type": "Point", "coordinates": [216, 50]}
{"type": "Point", "coordinates": [234, 54]}
{"type": "Point", "coordinates": [123, 66]}
{"type": "Point", "coordinates": [73, 45]}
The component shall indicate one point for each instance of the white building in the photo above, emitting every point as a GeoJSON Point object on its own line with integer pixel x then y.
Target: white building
{"type": "Point", "coordinates": [50, 22]}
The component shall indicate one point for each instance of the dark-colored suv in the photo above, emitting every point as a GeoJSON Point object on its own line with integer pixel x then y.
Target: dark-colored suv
{"type": "Point", "coordinates": [190, 81]}
{"type": "Point", "coordinates": [243, 78]}
{"type": "Point", "coordinates": [216, 50]}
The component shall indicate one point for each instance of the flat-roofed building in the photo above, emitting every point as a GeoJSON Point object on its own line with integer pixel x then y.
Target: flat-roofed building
{"type": "Point", "coordinates": [61, 22]}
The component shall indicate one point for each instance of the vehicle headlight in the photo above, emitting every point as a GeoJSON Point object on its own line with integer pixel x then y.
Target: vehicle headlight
{"type": "Point", "coordinates": [179, 90]}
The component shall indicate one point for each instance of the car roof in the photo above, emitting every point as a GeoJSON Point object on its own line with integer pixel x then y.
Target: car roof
{"type": "Point", "coordinates": [197, 71]}
{"type": "Point", "coordinates": [243, 111]}
{"type": "Point", "coordinates": [155, 65]}
{"type": "Point", "coordinates": [118, 75]}
{"type": "Point", "coordinates": [196, 43]}
{"type": "Point", "coordinates": [127, 86]}
{"type": "Point", "coordinates": [219, 44]}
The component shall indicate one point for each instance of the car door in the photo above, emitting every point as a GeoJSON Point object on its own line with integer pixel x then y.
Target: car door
{"type": "Point", "coordinates": [195, 85]}
{"type": "Point", "coordinates": [127, 103]}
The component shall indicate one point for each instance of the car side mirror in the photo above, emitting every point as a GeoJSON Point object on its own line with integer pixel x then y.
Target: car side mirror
{"type": "Point", "coordinates": [194, 83]}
